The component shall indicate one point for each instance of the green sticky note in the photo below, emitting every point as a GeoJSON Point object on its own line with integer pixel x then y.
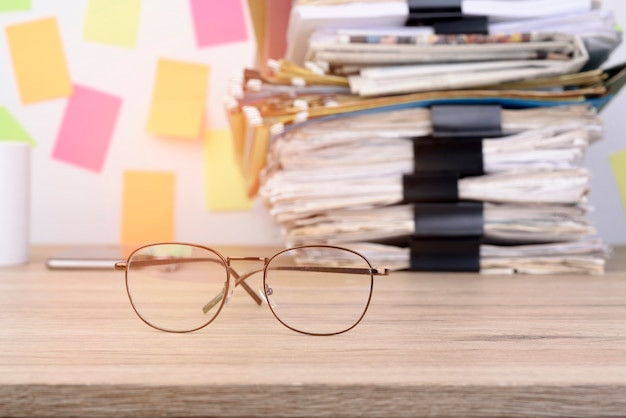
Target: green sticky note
{"type": "Point", "coordinates": [618, 164]}
{"type": "Point", "coordinates": [14, 5]}
{"type": "Point", "coordinates": [11, 130]}
{"type": "Point", "coordinates": [113, 22]}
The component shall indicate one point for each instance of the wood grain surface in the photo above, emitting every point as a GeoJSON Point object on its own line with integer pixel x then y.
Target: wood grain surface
{"type": "Point", "coordinates": [430, 345]}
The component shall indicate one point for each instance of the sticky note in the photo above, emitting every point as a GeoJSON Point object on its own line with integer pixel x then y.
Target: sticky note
{"type": "Point", "coordinates": [147, 207]}
{"type": "Point", "coordinates": [11, 130]}
{"type": "Point", "coordinates": [224, 183]}
{"type": "Point", "coordinates": [113, 22]}
{"type": "Point", "coordinates": [178, 99]}
{"type": "Point", "coordinates": [218, 22]}
{"type": "Point", "coordinates": [38, 60]}
{"type": "Point", "coordinates": [618, 164]}
{"type": "Point", "coordinates": [14, 5]}
{"type": "Point", "coordinates": [86, 128]}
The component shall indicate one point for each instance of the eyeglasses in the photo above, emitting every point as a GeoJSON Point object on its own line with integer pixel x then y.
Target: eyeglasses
{"type": "Point", "coordinates": [311, 289]}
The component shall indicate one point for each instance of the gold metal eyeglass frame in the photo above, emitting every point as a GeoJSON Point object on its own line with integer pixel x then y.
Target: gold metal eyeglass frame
{"type": "Point", "coordinates": [240, 279]}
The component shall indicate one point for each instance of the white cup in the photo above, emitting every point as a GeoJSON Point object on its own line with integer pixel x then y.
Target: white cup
{"type": "Point", "coordinates": [14, 202]}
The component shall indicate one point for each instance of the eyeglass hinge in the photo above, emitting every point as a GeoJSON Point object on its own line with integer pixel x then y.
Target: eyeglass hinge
{"type": "Point", "coordinates": [120, 265]}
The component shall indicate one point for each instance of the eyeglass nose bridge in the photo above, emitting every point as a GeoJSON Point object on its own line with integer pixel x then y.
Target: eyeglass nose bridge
{"type": "Point", "coordinates": [260, 295]}
{"type": "Point", "coordinates": [265, 260]}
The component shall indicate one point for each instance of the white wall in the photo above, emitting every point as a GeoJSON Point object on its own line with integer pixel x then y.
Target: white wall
{"type": "Point", "coordinates": [610, 214]}
{"type": "Point", "coordinates": [72, 205]}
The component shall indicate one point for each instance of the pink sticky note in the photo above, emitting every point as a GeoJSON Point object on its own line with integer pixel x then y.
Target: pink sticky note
{"type": "Point", "coordinates": [218, 21]}
{"type": "Point", "coordinates": [86, 128]}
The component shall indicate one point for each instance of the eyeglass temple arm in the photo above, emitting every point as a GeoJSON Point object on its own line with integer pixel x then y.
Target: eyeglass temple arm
{"type": "Point", "coordinates": [122, 265]}
{"type": "Point", "coordinates": [241, 279]}
{"type": "Point", "coordinates": [347, 270]}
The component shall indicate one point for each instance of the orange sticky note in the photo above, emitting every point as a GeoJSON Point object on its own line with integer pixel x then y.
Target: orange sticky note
{"type": "Point", "coordinates": [178, 99]}
{"type": "Point", "coordinates": [225, 186]}
{"type": "Point", "coordinates": [38, 59]}
{"type": "Point", "coordinates": [147, 207]}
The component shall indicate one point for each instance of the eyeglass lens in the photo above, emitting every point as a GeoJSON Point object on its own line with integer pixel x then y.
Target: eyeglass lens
{"type": "Point", "coordinates": [169, 284]}
{"type": "Point", "coordinates": [318, 290]}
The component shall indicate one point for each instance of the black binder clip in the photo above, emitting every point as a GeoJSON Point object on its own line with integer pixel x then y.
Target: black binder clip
{"type": "Point", "coordinates": [446, 17]}
{"type": "Point", "coordinates": [459, 219]}
{"type": "Point", "coordinates": [468, 24]}
{"type": "Point", "coordinates": [466, 121]}
{"type": "Point", "coordinates": [430, 187]}
{"type": "Point", "coordinates": [445, 254]}
{"type": "Point", "coordinates": [463, 156]}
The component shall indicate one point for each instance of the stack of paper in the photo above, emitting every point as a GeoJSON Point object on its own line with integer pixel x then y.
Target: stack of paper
{"type": "Point", "coordinates": [392, 64]}
{"type": "Point", "coordinates": [578, 257]}
{"type": "Point", "coordinates": [338, 142]}
{"type": "Point", "coordinates": [504, 223]}
{"type": "Point", "coordinates": [330, 184]}
{"type": "Point", "coordinates": [340, 182]}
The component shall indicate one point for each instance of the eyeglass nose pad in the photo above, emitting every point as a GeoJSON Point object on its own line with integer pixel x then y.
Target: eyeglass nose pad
{"type": "Point", "coordinates": [265, 295]}
{"type": "Point", "coordinates": [215, 301]}
{"type": "Point", "coordinates": [231, 288]}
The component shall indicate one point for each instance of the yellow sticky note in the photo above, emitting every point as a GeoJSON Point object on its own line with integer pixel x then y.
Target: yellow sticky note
{"type": "Point", "coordinates": [147, 207]}
{"type": "Point", "coordinates": [225, 187]}
{"type": "Point", "coordinates": [112, 22]}
{"type": "Point", "coordinates": [38, 59]}
{"type": "Point", "coordinates": [618, 164]}
{"type": "Point", "coordinates": [178, 99]}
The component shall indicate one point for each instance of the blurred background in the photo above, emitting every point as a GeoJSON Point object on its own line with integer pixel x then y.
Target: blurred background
{"type": "Point", "coordinates": [132, 78]}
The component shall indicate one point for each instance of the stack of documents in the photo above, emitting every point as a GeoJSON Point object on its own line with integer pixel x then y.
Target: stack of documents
{"type": "Point", "coordinates": [344, 143]}
{"type": "Point", "coordinates": [341, 182]}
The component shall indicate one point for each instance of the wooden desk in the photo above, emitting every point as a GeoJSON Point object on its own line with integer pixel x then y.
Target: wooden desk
{"type": "Point", "coordinates": [431, 344]}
